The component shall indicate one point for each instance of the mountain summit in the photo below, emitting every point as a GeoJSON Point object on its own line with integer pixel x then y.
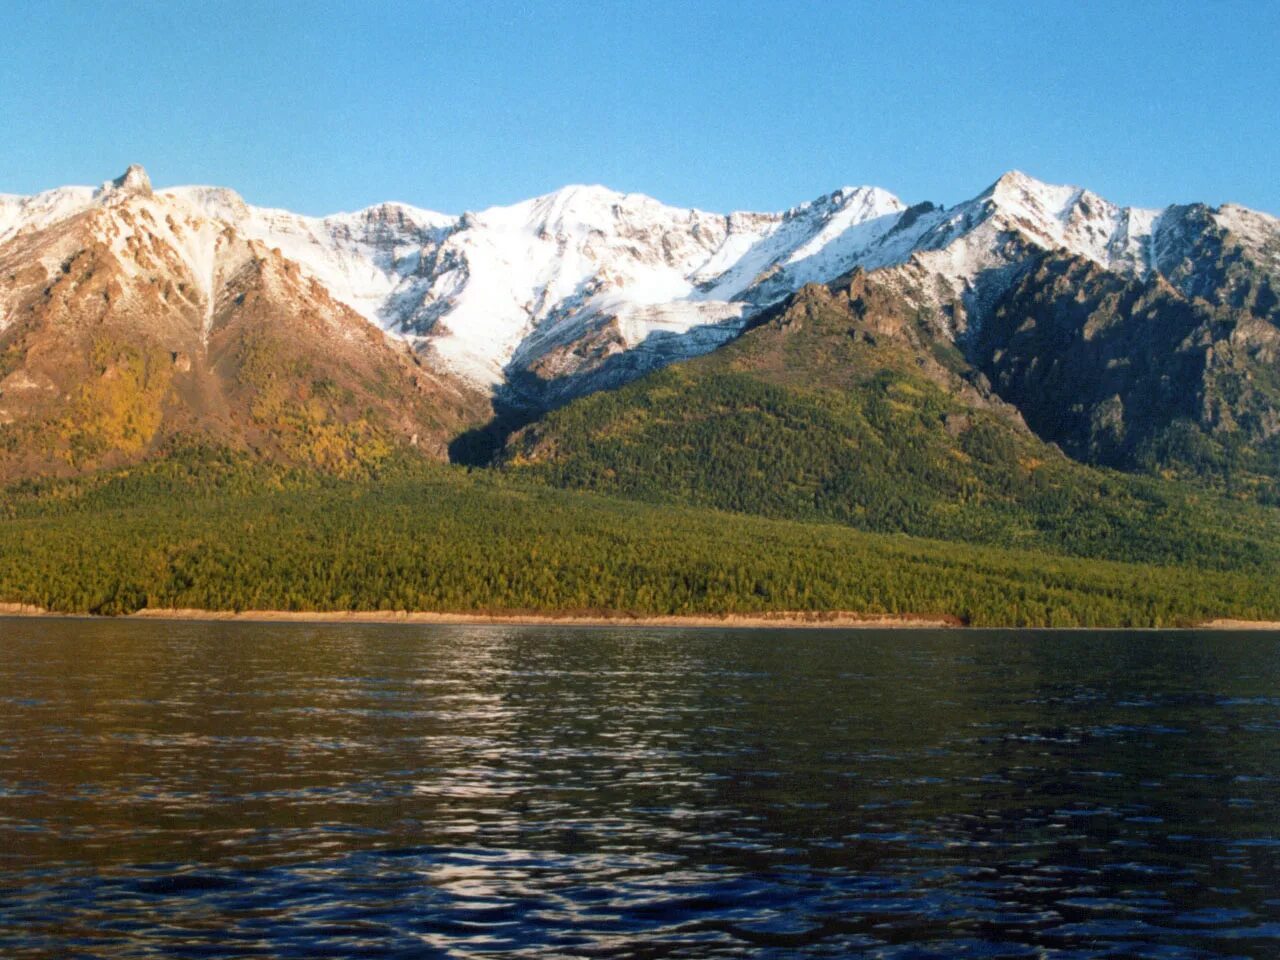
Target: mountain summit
{"type": "Point", "coordinates": [134, 182]}
{"type": "Point", "coordinates": [531, 305]}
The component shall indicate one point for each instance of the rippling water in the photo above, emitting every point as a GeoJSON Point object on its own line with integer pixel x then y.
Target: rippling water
{"type": "Point", "coordinates": [237, 790]}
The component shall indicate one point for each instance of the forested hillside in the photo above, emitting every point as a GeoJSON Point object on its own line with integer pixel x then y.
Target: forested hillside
{"type": "Point", "coordinates": [211, 534]}
{"type": "Point", "coordinates": [843, 406]}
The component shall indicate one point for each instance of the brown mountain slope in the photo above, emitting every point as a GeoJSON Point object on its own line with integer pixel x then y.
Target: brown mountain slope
{"type": "Point", "coordinates": [128, 328]}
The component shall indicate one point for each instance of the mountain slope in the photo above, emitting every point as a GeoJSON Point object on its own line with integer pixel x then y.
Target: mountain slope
{"type": "Point", "coordinates": [1144, 372]}
{"type": "Point", "coordinates": [133, 325]}
{"type": "Point", "coordinates": [844, 405]}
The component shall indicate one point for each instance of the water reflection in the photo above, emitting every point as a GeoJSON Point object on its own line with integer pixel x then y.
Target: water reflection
{"type": "Point", "coordinates": [299, 791]}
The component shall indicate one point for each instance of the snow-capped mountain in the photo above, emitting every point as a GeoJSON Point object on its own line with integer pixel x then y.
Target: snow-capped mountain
{"type": "Point", "coordinates": [511, 288]}
{"type": "Point", "coordinates": [586, 287]}
{"type": "Point", "coordinates": [131, 321]}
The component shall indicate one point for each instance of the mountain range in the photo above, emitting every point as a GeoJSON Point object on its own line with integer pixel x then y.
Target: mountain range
{"type": "Point", "coordinates": [134, 319]}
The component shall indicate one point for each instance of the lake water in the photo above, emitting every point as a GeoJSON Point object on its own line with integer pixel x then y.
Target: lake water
{"type": "Point", "coordinates": [241, 790]}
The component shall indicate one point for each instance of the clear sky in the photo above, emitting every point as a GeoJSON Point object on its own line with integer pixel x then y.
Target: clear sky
{"type": "Point", "coordinates": [453, 106]}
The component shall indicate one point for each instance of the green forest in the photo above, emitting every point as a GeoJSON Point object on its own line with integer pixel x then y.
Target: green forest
{"type": "Point", "coordinates": [207, 530]}
{"type": "Point", "coordinates": [894, 454]}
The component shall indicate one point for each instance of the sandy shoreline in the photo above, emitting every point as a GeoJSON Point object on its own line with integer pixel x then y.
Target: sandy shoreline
{"type": "Point", "coordinates": [841, 619]}
{"type": "Point", "coordinates": [1229, 624]}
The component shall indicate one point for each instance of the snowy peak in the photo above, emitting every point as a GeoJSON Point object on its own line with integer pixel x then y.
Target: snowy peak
{"type": "Point", "coordinates": [359, 257]}
{"type": "Point", "coordinates": [1259, 233]}
{"type": "Point", "coordinates": [213, 203]}
{"type": "Point", "coordinates": [385, 219]}
{"type": "Point", "coordinates": [27, 214]}
{"type": "Point", "coordinates": [766, 256]}
{"type": "Point", "coordinates": [1016, 191]}
{"type": "Point", "coordinates": [974, 250]}
{"type": "Point", "coordinates": [19, 214]}
{"type": "Point", "coordinates": [521, 282]}
{"type": "Point", "coordinates": [1062, 216]}
{"type": "Point", "coordinates": [571, 206]}
{"type": "Point", "coordinates": [134, 182]}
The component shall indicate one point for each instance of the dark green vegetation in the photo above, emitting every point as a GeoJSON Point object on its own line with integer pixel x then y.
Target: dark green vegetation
{"type": "Point", "coordinates": [840, 407]}
{"type": "Point", "coordinates": [211, 533]}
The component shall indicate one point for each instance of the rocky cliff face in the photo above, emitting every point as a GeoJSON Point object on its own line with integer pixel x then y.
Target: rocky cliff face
{"type": "Point", "coordinates": [1177, 370]}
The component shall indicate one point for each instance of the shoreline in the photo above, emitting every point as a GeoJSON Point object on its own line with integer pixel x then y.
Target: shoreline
{"type": "Point", "coordinates": [1227, 623]}
{"type": "Point", "coordinates": [834, 619]}
{"type": "Point", "coordinates": [828, 619]}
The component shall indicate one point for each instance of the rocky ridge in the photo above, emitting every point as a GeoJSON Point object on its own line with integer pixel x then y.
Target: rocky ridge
{"type": "Point", "coordinates": [544, 295]}
{"type": "Point", "coordinates": [531, 305]}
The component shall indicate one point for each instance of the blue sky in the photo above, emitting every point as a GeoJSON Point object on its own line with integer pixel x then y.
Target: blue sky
{"type": "Point", "coordinates": [722, 105]}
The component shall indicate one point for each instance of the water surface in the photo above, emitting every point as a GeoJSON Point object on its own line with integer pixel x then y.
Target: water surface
{"type": "Point", "coordinates": [286, 790]}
